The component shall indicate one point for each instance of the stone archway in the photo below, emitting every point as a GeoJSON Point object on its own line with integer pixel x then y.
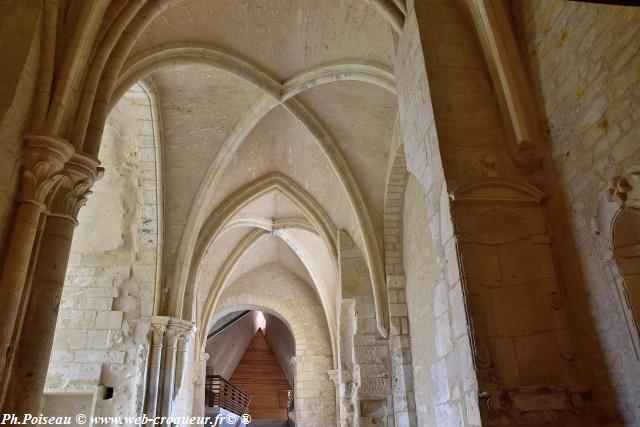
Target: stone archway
{"type": "Point", "coordinates": [274, 289]}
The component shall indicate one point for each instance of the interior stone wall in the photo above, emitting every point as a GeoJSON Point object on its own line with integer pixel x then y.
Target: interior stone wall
{"type": "Point", "coordinates": [101, 334]}
{"type": "Point", "coordinates": [19, 62]}
{"type": "Point", "coordinates": [404, 404]}
{"type": "Point", "coordinates": [424, 309]}
{"type": "Point", "coordinates": [584, 64]}
{"type": "Point", "coordinates": [282, 345]}
{"type": "Point", "coordinates": [453, 373]}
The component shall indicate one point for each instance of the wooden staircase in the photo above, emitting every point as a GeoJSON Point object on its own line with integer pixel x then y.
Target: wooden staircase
{"type": "Point", "coordinates": [221, 393]}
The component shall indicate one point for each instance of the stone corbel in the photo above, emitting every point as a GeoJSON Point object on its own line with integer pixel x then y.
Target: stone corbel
{"type": "Point", "coordinates": [624, 190]}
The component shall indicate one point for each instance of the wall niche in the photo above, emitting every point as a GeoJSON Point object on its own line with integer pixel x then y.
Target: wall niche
{"type": "Point", "coordinates": [523, 348]}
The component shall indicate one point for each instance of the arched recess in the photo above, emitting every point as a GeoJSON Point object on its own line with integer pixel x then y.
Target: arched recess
{"type": "Point", "coordinates": [293, 301]}
{"type": "Point", "coordinates": [617, 228]}
{"type": "Point", "coordinates": [626, 254]}
{"type": "Point", "coordinates": [276, 94]}
{"type": "Point", "coordinates": [521, 332]}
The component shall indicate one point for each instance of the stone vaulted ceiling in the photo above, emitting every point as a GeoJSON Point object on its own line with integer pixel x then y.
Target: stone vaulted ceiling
{"type": "Point", "coordinates": [248, 88]}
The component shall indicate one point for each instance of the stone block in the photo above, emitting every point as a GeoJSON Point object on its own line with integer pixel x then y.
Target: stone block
{"type": "Point", "coordinates": [443, 335]}
{"type": "Point", "coordinates": [97, 340]}
{"type": "Point", "coordinates": [109, 320]}
{"type": "Point", "coordinates": [93, 356]}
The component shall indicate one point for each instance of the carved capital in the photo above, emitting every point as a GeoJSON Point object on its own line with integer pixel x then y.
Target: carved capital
{"type": "Point", "coordinates": [71, 191]}
{"type": "Point", "coordinates": [183, 338]}
{"type": "Point", "coordinates": [43, 159]}
{"type": "Point", "coordinates": [157, 334]}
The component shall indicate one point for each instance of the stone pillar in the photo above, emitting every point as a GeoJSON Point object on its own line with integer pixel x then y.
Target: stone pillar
{"type": "Point", "coordinates": [43, 160]}
{"type": "Point", "coordinates": [153, 381]}
{"type": "Point", "coordinates": [26, 377]}
{"type": "Point", "coordinates": [166, 363]}
{"type": "Point", "coordinates": [182, 346]}
{"type": "Point", "coordinates": [169, 371]}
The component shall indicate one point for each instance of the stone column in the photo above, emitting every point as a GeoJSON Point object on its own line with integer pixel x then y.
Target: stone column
{"type": "Point", "coordinates": [169, 371]}
{"type": "Point", "coordinates": [43, 159]}
{"type": "Point", "coordinates": [182, 346]}
{"type": "Point", "coordinates": [155, 357]}
{"type": "Point", "coordinates": [166, 363]}
{"type": "Point", "coordinates": [26, 378]}
{"type": "Point", "coordinates": [334, 375]}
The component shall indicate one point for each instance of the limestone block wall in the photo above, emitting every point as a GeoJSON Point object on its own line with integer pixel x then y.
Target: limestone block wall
{"type": "Point", "coordinates": [453, 373]}
{"type": "Point", "coordinates": [399, 333]}
{"type": "Point", "coordinates": [282, 344]}
{"type": "Point", "coordinates": [101, 341]}
{"type": "Point", "coordinates": [584, 63]}
{"type": "Point", "coordinates": [426, 313]}
{"type": "Point", "coordinates": [19, 61]}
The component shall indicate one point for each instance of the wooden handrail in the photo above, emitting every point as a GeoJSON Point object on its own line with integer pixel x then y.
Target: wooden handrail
{"type": "Point", "coordinates": [220, 392]}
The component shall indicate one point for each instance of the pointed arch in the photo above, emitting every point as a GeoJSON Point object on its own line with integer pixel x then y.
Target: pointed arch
{"type": "Point", "coordinates": [221, 282]}
{"type": "Point", "coordinates": [370, 73]}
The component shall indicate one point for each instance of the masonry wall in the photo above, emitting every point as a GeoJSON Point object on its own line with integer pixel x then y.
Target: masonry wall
{"type": "Point", "coordinates": [282, 344]}
{"type": "Point", "coordinates": [584, 63]}
{"type": "Point", "coordinates": [404, 405]}
{"type": "Point", "coordinates": [423, 308]}
{"type": "Point", "coordinates": [101, 340]}
{"type": "Point", "coordinates": [453, 373]}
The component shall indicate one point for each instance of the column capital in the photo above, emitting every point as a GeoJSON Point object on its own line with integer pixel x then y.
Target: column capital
{"type": "Point", "coordinates": [43, 159]}
{"type": "Point", "coordinates": [177, 330]}
{"type": "Point", "coordinates": [70, 193]}
{"type": "Point", "coordinates": [157, 334]}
